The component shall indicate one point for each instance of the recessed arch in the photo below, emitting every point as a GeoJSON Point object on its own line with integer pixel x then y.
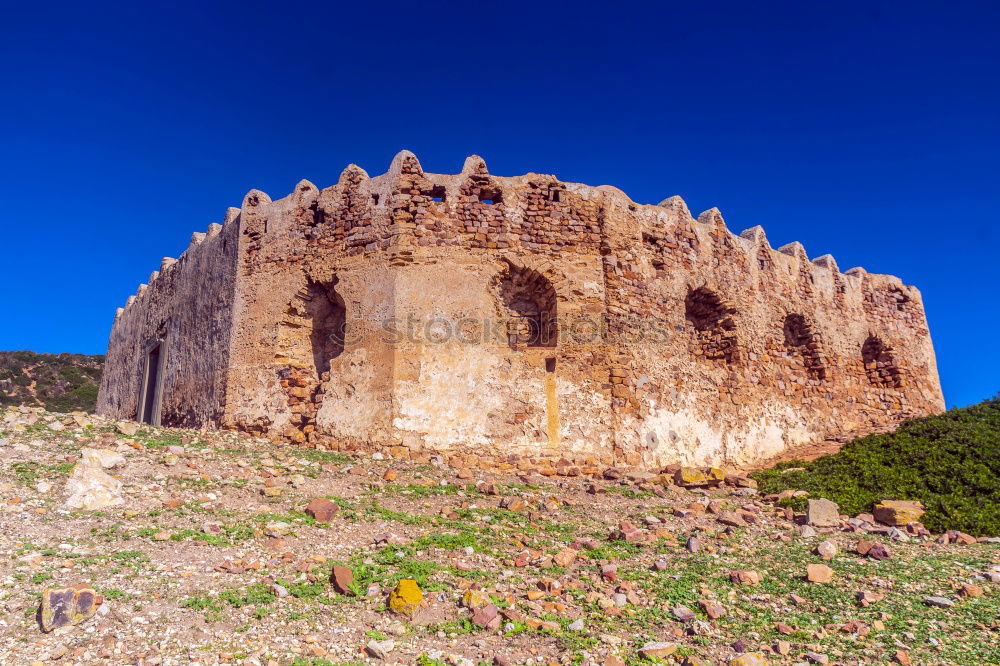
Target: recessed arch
{"type": "Point", "coordinates": [802, 339]}
{"type": "Point", "coordinates": [714, 325]}
{"type": "Point", "coordinates": [311, 334]}
{"type": "Point", "coordinates": [880, 363]}
{"type": "Point", "coordinates": [528, 303]}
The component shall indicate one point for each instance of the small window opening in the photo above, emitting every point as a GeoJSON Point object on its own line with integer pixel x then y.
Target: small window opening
{"type": "Point", "coordinates": [550, 365]}
{"type": "Point", "coordinates": [554, 195]}
{"type": "Point", "coordinates": [653, 245]}
{"type": "Point", "coordinates": [490, 196]}
{"type": "Point", "coordinates": [900, 299]}
{"type": "Point", "coordinates": [437, 193]}
{"type": "Point", "coordinates": [375, 198]}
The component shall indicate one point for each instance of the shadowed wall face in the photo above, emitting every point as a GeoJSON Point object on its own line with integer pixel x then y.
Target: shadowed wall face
{"type": "Point", "coordinates": [187, 309]}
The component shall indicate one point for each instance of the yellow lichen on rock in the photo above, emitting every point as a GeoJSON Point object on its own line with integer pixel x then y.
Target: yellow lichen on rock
{"type": "Point", "coordinates": [475, 599]}
{"type": "Point", "coordinates": [692, 476]}
{"type": "Point", "coordinates": [406, 598]}
{"type": "Point", "coordinates": [898, 512]}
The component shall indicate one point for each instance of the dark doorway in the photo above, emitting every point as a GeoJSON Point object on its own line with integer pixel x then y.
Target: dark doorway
{"type": "Point", "coordinates": [151, 387]}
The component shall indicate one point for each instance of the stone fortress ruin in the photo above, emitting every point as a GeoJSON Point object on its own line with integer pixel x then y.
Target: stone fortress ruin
{"type": "Point", "coordinates": [513, 319]}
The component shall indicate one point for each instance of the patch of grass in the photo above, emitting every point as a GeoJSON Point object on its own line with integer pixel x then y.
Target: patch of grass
{"type": "Point", "coordinates": [29, 473]}
{"type": "Point", "coordinates": [375, 510]}
{"type": "Point", "coordinates": [214, 605]}
{"type": "Point", "coordinates": [417, 491]}
{"type": "Point", "coordinates": [323, 457]}
{"type": "Point", "coordinates": [950, 462]}
{"type": "Point", "coordinates": [160, 439]}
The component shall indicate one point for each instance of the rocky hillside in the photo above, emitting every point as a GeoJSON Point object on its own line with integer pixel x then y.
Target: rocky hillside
{"type": "Point", "coordinates": [178, 547]}
{"type": "Point", "coordinates": [59, 382]}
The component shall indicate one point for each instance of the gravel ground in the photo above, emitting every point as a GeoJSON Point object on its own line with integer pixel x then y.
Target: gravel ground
{"type": "Point", "coordinates": [210, 558]}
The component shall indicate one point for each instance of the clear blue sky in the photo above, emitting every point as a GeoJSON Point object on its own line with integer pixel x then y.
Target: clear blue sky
{"type": "Point", "coordinates": [868, 130]}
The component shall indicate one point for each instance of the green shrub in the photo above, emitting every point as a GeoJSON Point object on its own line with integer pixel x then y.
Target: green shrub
{"type": "Point", "coordinates": [950, 462]}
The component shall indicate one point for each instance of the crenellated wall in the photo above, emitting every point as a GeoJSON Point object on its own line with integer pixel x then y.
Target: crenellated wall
{"type": "Point", "coordinates": [521, 317]}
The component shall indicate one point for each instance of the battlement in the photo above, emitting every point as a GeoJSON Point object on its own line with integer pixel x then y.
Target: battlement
{"type": "Point", "coordinates": [200, 245]}
{"type": "Point", "coordinates": [526, 213]}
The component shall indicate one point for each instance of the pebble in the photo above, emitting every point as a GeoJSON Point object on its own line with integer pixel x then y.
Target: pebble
{"type": "Point", "coordinates": [939, 602]}
{"type": "Point", "coordinates": [380, 649]}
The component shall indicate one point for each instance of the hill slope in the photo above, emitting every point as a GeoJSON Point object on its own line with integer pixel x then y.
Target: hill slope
{"type": "Point", "coordinates": [950, 462]}
{"type": "Point", "coordinates": [58, 382]}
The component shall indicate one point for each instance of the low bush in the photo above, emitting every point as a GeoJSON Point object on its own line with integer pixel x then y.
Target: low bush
{"type": "Point", "coordinates": [950, 462]}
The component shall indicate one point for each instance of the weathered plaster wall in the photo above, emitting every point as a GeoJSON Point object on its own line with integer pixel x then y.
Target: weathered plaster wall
{"type": "Point", "coordinates": [678, 341]}
{"type": "Point", "coordinates": [188, 305]}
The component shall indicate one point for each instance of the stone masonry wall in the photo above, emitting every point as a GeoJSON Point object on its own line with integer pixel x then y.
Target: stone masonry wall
{"type": "Point", "coordinates": [518, 318]}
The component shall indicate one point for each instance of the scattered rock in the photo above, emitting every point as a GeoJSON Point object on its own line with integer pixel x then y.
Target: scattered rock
{"type": "Point", "coordinates": [628, 532]}
{"type": "Point", "coordinates": [805, 531]}
{"type": "Point", "coordinates": [565, 557]}
{"type": "Point", "coordinates": [691, 477]}
{"type": "Point", "coordinates": [90, 488]}
{"type": "Point", "coordinates": [939, 602]}
{"type": "Point", "coordinates": [406, 598]}
{"type": "Point", "coordinates": [745, 577]}
{"type": "Point", "coordinates": [732, 519]}
{"type": "Point", "coordinates": [104, 458]}
{"type": "Point", "coordinates": [712, 608]}
{"type": "Point", "coordinates": [970, 591]}
{"type": "Point", "coordinates": [322, 509]}
{"type": "Point", "coordinates": [898, 513]}
{"type": "Point", "coordinates": [128, 428]}
{"type": "Point", "coordinates": [783, 628]}
{"type": "Point", "coordinates": [67, 606]}
{"type": "Point", "coordinates": [819, 573]}
{"type": "Point", "coordinates": [487, 617]}
{"type": "Point", "coordinates": [866, 599]}
{"type": "Point", "coordinates": [827, 550]}
{"type": "Point", "coordinates": [683, 613]}
{"type": "Point", "coordinates": [380, 649]}
{"type": "Point", "coordinates": [657, 650]}
{"type": "Point", "coordinates": [473, 599]}
{"type": "Point", "coordinates": [822, 513]}
{"type": "Point", "coordinates": [342, 578]}
{"type": "Point", "coordinates": [749, 659]}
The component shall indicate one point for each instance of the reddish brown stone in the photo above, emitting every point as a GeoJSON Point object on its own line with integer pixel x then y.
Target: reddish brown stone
{"type": "Point", "coordinates": [322, 509]}
{"type": "Point", "coordinates": [342, 577]}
